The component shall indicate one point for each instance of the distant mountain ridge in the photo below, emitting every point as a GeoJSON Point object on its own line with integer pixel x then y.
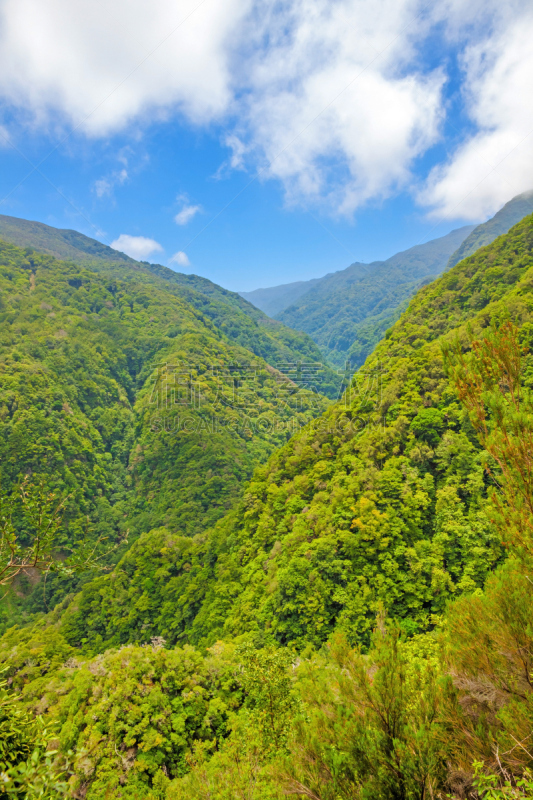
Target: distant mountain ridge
{"type": "Point", "coordinates": [511, 213]}
{"type": "Point", "coordinates": [277, 298]}
{"type": "Point", "coordinates": [57, 242]}
{"type": "Point", "coordinates": [239, 320]}
{"type": "Point", "coordinates": [348, 311]}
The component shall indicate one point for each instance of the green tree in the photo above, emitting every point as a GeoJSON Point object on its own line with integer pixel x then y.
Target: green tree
{"type": "Point", "coordinates": [269, 687]}
{"type": "Point", "coordinates": [29, 767]}
{"type": "Point", "coordinates": [375, 725]}
{"type": "Point", "coordinates": [489, 384]}
{"type": "Point", "coordinates": [30, 522]}
{"type": "Point", "coordinates": [489, 634]}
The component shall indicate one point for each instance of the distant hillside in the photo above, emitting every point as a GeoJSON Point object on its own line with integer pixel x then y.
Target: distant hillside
{"type": "Point", "coordinates": [277, 298]}
{"type": "Point", "coordinates": [512, 212]}
{"type": "Point", "coordinates": [65, 244]}
{"type": "Point", "coordinates": [236, 318]}
{"type": "Point", "coordinates": [348, 312]}
{"type": "Point", "coordinates": [120, 394]}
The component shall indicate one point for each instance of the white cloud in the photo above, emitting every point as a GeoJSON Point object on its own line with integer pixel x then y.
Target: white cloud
{"type": "Point", "coordinates": [186, 214]}
{"type": "Point", "coordinates": [496, 162]}
{"type": "Point", "coordinates": [104, 186]}
{"type": "Point", "coordinates": [236, 159]}
{"type": "Point", "coordinates": [5, 138]}
{"type": "Point", "coordinates": [335, 106]}
{"type": "Point", "coordinates": [180, 258]}
{"type": "Point", "coordinates": [138, 247]}
{"type": "Point", "coordinates": [238, 151]}
{"type": "Point", "coordinates": [105, 64]}
{"type": "Point", "coordinates": [330, 97]}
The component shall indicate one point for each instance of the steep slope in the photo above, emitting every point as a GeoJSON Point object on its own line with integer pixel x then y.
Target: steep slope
{"type": "Point", "coordinates": [241, 322]}
{"type": "Point", "coordinates": [121, 395]}
{"type": "Point", "coordinates": [511, 213]}
{"type": "Point", "coordinates": [276, 299]}
{"type": "Point", "coordinates": [381, 502]}
{"type": "Point", "coordinates": [61, 244]}
{"type": "Point", "coordinates": [333, 312]}
{"type": "Point", "coordinates": [282, 347]}
{"type": "Point", "coordinates": [394, 519]}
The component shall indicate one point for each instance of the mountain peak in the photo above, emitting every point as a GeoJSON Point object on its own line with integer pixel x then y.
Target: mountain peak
{"type": "Point", "coordinates": [504, 219]}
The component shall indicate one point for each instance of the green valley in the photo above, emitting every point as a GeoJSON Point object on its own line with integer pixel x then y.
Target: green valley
{"type": "Point", "coordinates": [348, 312]}
{"type": "Point", "coordinates": [266, 400]}
{"type": "Point", "coordinates": [327, 600]}
{"type": "Point", "coordinates": [124, 396]}
{"type": "Point", "coordinates": [381, 501]}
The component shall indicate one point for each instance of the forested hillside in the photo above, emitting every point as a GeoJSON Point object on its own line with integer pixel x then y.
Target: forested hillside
{"type": "Point", "coordinates": [239, 320]}
{"type": "Point", "coordinates": [511, 213]}
{"type": "Point", "coordinates": [126, 398]}
{"type": "Point", "coordinates": [276, 299]}
{"type": "Point", "coordinates": [61, 244]}
{"type": "Point", "coordinates": [357, 624]}
{"type": "Point", "coordinates": [347, 312]}
{"type": "Point", "coordinates": [380, 501]}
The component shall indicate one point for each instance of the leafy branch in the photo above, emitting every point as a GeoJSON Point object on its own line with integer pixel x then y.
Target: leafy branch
{"type": "Point", "coordinates": [30, 521]}
{"type": "Point", "coordinates": [488, 383]}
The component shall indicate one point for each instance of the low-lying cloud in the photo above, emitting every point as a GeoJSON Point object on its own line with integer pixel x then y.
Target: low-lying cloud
{"type": "Point", "coordinates": [138, 247]}
{"type": "Point", "coordinates": [181, 259]}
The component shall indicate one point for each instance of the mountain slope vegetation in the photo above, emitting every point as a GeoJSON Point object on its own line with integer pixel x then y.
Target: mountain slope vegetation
{"type": "Point", "coordinates": [61, 244]}
{"type": "Point", "coordinates": [380, 502]}
{"type": "Point", "coordinates": [276, 299]}
{"type": "Point", "coordinates": [124, 397]}
{"type": "Point", "coordinates": [347, 312]}
{"type": "Point", "coordinates": [511, 213]}
{"type": "Point", "coordinates": [358, 624]}
{"type": "Point", "coordinates": [240, 321]}
{"type": "Point", "coordinates": [338, 311]}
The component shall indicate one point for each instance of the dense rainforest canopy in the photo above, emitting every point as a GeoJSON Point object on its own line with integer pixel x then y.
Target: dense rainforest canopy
{"type": "Point", "coordinates": [379, 502]}
{"type": "Point", "coordinates": [348, 312]}
{"type": "Point", "coordinates": [124, 396]}
{"type": "Point", "coordinates": [352, 622]}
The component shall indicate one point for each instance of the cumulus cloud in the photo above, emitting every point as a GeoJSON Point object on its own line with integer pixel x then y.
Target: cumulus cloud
{"type": "Point", "coordinates": [496, 161]}
{"type": "Point", "coordinates": [186, 214]}
{"type": "Point", "coordinates": [333, 98]}
{"type": "Point", "coordinates": [181, 259]}
{"type": "Point", "coordinates": [105, 64]}
{"type": "Point", "coordinates": [138, 247]}
{"type": "Point", "coordinates": [334, 104]}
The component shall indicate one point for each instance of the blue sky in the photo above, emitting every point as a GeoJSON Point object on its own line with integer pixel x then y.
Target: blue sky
{"type": "Point", "coordinates": [263, 143]}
